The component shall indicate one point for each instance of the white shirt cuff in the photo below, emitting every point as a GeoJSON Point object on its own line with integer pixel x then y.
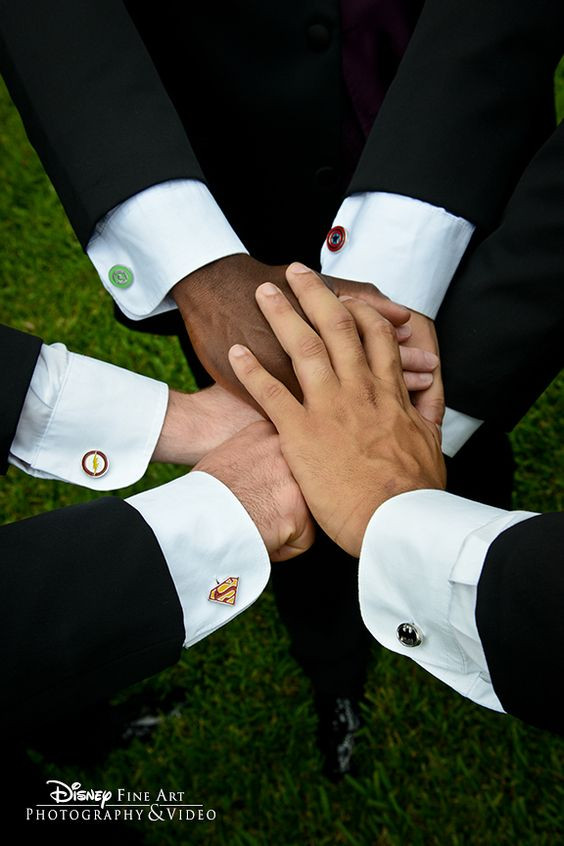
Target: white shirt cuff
{"type": "Point", "coordinates": [420, 564]}
{"type": "Point", "coordinates": [457, 428]}
{"type": "Point", "coordinates": [407, 248]}
{"type": "Point", "coordinates": [77, 405]}
{"type": "Point", "coordinates": [147, 244]}
{"type": "Point", "coordinates": [207, 538]}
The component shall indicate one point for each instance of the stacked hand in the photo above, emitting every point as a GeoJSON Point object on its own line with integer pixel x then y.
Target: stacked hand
{"type": "Point", "coordinates": [354, 441]}
{"type": "Point", "coordinates": [219, 309]}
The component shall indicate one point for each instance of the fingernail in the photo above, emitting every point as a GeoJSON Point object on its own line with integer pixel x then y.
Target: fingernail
{"type": "Point", "coordinates": [425, 380]}
{"type": "Point", "coordinates": [431, 359]}
{"type": "Point", "coordinates": [238, 351]}
{"type": "Point", "coordinates": [345, 297]}
{"type": "Point", "coordinates": [268, 289]}
{"type": "Point", "coordinates": [297, 267]}
{"type": "Point", "coordinates": [403, 333]}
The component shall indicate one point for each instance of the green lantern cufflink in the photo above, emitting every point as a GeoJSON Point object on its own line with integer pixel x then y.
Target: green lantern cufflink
{"type": "Point", "coordinates": [120, 276]}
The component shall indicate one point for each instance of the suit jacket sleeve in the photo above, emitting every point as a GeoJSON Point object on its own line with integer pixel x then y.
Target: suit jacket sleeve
{"type": "Point", "coordinates": [520, 620]}
{"type": "Point", "coordinates": [472, 101]}
{"type": "Point", "coordinates": [501, 324]}
{"type": "Point", "coordinates": [88, 607]}
{"type": "Point", "coordinates": [18, 354]}
{"type": "Point", "coordinates": [92, 104]}
{"type": "Point", "coordinates": [88, 603]}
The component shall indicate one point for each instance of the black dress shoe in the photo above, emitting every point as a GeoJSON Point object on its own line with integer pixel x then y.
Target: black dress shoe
{"type": "Point", "coordinates": [339, 721]}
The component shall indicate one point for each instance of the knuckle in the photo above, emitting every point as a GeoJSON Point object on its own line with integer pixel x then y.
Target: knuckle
{"type": "Point", "coordinates": [312, 282]}
{"type": "Point", "coordinates": [311, 346]}
{"type": "Point", "coordinates": [383, 327]}
{"type": "Point", "coordinates": [323, 375]}
{"type": "Point", "coordinates": [279, 303]}
{"type": "Point", "coordinates": [344, 323]}
{"type": "Point", "coordinates": [272, 390]}
{"type": "Point", "coordinates": [251, 367]}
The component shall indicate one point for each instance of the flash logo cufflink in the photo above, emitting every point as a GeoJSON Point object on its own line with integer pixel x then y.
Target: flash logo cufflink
{"type": "Point", "coordinates": [225, 592]}
{"type": "Point", "coordinates": [95, 463]}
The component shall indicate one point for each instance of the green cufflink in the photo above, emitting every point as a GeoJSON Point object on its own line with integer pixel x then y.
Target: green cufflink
{"type": "Point", "coordinates": [120, 276]}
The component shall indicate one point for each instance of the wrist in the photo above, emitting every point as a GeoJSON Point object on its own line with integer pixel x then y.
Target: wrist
{"type": "Point", "coordinates": [180, 441]}
{"type": "Point", "coordinates": [188, 291]}
{"type": "Point", "coordinates": [197, 423]}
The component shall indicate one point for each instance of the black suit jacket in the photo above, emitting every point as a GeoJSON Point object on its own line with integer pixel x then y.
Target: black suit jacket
{"type": "Point", "coordinates": [238, 94]}
{"type": "Point", "coordinates": [88, 604]}
{"type": "Point", "coordinates": [263, 111]}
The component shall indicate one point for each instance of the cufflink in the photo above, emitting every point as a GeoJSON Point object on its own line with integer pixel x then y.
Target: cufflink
{"type": "Point", "coordinates": [95, 463]}
{"type": "Point", "coordinates": [336, 238]}
{"type": "Point", "coordinates": [120, 276]}
{"type": "Point", "coordinates": [409, 634]}
{"type": "Point", "coordinates": [225, 592]}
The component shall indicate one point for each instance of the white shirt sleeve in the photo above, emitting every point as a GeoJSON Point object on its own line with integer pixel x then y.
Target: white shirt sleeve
{"type": "Point", "coordinates": [410, 250]}
{"type": "Point", "coordinates": [148, 243]}
{"type": "Point", "coordinates": [457, 428]}
{"type": "Point", "coordinates": [82, 413]}
{"type": "Point", "coordinates": [208, 540]}
{"type": "Point", "coordinates": [407, 248]}
{"type": "Point", "coordinates": [420, 564]}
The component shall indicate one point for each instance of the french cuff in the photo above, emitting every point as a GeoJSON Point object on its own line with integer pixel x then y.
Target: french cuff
{"type": "Point", "coordinates": [147, 244]}
{"type": "Point", "coordinates": [420, 564]}
{"type": "Point", "coordinates": [88, 422]}
{"type": "Point", "coordinates": [408, 248]}
{"type": "Point", "coordinates": [215, 554]}
{"type": "Point", "coordinates": [457, 428]}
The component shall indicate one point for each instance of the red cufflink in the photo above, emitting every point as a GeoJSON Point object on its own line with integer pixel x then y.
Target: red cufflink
{"type": "Point", "coordinates": [336, 238]}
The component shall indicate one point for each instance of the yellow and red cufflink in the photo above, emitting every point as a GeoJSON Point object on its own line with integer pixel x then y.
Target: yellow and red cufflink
{"type": "Point", "coordinates": [95, 463]}
{"type": "Point", "coordinates": [336, 238]}
{"type": "Point", "coordinates": [225, 592]}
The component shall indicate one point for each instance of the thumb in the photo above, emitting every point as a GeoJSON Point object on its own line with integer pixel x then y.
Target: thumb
{"type": "Point", "coordinates": [430, 403]}
{"type": "Point", "coordinates": [295, 536]}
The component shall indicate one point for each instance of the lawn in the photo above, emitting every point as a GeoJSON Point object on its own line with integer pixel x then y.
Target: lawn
{"type": "Point", "coordinates": [433, 767]}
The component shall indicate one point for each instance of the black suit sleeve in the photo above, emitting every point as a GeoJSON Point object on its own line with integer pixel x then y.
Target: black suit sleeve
{"type": "Point", "coordinates": [18, 356]}
{"type": "Point", "coordinates": [92, 103]}
{"type": "Point", "coordinates": [471, 103]}
{"type": "Point", "coordinates": [519, 613]}
{"type": "Point", "coordinates": [88, 607]}
{"type": "Point", "coordinates": [501, 324]}
{"type": "Point", "coordinates": [87, 601]}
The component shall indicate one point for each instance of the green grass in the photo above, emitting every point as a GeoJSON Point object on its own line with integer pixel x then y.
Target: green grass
{"type": "Point", "coordinates": [433, 767]}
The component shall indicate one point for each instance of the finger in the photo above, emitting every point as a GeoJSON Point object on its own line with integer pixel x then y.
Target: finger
{"type": "Point", "coordinates": [309, 355]}
{"type": "Point", "coordinates": [403, 333]}
{"type": "Point", "coordinates": [430, 403]}
{"type": "Point", "coordinates": [369, 293]}
{"type": "Point", "coordinates": [298, 542]}
{"type": "Point", "coordinates": [417, 381]}
{"type": "Point", "coordinates": [380, 344]}
{"type": "Point", "coordinates": [421, 361]}
{"type": "Point", "coordinates": [332, 320]}
{"type": "Point", "coordinates": [270, 394]}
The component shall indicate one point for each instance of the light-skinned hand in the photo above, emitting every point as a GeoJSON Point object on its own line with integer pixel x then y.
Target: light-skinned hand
{"type": "Point", "coordinates": [356, 440]}
{"type": "Point", "coordinates": [196, 423]}
{"type": "Point", "coordinates": [252, 466]}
